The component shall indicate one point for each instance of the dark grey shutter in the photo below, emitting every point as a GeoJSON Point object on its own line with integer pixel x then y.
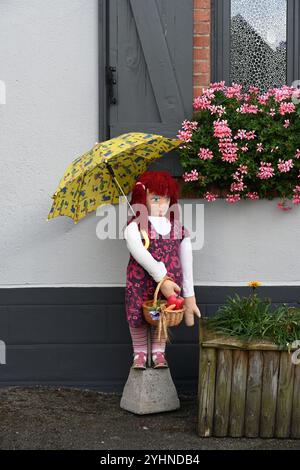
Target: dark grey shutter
{"type": "Point", "coordinates": [151, 48]}
{"type": "Point", "coordinates": [293, 40]}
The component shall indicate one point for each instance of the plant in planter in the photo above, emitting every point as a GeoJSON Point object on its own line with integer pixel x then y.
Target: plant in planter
{"type": "Point", "coordinates": [251, 318]}
{"type": "Point", "coordinates": [248, 383]}
{"type": "Point", "coordinates": [243, 145]}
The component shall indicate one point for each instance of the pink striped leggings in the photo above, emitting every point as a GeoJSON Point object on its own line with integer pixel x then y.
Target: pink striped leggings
{"type": "Point", "coordinates": [139, 339]}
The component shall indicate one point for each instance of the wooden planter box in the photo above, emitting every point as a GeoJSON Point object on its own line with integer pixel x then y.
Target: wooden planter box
{"type": "Point", "coordinates": [246, 389]}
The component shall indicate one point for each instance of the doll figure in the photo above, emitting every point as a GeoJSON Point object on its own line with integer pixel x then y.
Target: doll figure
{"type": "Point", "coordinates": [169, 254]}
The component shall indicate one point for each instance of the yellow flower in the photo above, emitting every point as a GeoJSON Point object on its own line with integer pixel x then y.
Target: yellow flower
{"type": "Point", "coordinates": [254, 284]}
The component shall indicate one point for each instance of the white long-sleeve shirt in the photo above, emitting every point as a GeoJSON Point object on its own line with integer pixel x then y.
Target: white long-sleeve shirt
{"type": "Point", "coordinates": [155, 268]}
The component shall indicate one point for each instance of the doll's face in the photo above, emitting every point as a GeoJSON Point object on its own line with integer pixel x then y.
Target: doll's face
{"type": "Point", "coordinates": [157, 205]}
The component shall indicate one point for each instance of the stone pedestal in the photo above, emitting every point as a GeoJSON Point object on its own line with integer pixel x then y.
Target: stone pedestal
{"type": "Point", "coordinates": [149, 391]}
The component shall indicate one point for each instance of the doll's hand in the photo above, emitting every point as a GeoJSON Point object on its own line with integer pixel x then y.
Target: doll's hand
{"type": "Point", "coordinates": [190, 309]}
{"type": "Point", "coordinates": [169, 288]}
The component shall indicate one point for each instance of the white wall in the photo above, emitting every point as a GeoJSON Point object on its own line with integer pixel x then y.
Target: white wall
{"type": "Point", "coordinates": [48, 60]}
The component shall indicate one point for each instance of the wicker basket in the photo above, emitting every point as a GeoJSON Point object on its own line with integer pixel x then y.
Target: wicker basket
{"type": "Point", "coordinates": [166, 317]}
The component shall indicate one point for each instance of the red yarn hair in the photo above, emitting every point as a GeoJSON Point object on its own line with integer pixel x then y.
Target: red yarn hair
{"type": "Point", "coordinates": [158, 182]}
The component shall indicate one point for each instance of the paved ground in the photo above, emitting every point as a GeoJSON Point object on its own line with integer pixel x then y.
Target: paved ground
{"type": "Point", "coordinates": [62, 418]}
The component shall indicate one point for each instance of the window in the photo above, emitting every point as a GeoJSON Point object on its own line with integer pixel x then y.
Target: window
{"type": "Point", "coordinates": [256, 43]}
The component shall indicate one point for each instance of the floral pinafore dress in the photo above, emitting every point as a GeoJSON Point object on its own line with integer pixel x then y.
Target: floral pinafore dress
{"type": "Point", "coordinates": [140, 286]}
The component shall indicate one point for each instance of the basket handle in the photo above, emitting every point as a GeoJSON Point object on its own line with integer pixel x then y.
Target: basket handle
{"type": "Point", "coordinates": [158, 287]}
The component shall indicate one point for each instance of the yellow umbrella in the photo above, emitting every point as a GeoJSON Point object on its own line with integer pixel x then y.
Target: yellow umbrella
{"type": "Point", "coordinates": [98, 176]}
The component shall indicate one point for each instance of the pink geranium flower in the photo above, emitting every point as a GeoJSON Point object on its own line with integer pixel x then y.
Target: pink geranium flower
{"type": "Point", "coordinates": [253, 89]}
{"type": "Point", "coordinates": [265, 171]}
{"type": "Point", "coordinates": [189, 125]}
{"type": "Point", "coordinates": [232, 198]}
{"type": "Point", "coordinates": [285, 108]}
{"type": "Point", "coordinates": [233, 91]}
{"type": "Point", "coordinates": [221, 129]}
{"type": "Point", "coordinates": [296, 196]}
{"type": "Point", "coordinates": [208, 92]}
{"type": "Point", "coordinates": [219, 110]}
{"type": "Point", "coordinates": [210, 196]}
{"type": "Point", "coordinates": [192, 176]}
{"type": "Point", "coordinates": [237, 186]}
{"type": "Point", "coordinates": [262, 99]}
{"type": "Point", "coordinates": [228, 150]}
{"type": "Point", "coordinates": [272, 112]}
{"type": "Point", "coordinates": [241, 134]}
{"type": "Point", "coordinates": [217, 86]}
{"type": "Point", "coordinates": [259, 147]}
{"type": "Point", "coordinates": [201, 102]}
{"type": "Point", "coordinates": [285, 165]}
{"type": "Point", "coordinates": [237, 176]}
{"type": "Point", "coordinates": [252, 195]}
{"type": "Point", "coordinates": [283, 93]}
{"type": "Point", "coordinates": [205, 154]}
{"type": "Point", "coordinates": [248, 109]}
{"type": "Point", "coordinates": [185, 136]}
{"type": "Point", "coordinates": [243, 169]}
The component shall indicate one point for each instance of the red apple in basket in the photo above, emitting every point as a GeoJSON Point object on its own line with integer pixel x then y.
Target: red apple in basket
{"type": "Point", "coordinates": [175, 300]}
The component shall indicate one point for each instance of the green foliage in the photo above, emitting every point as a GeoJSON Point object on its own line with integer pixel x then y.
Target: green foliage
{"type": "Point", "coordinates": [254, 318]}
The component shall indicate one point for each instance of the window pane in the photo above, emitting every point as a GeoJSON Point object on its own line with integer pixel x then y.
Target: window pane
{"type": "Point", "coordinates": [258, 49]}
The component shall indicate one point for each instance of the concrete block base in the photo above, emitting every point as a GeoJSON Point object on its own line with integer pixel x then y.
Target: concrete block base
{"type": "Point", "coordinates": [149, 391]}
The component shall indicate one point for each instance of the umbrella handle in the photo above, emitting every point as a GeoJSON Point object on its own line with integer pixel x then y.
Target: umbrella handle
{"type": "Point", "coordinates": [147, 242]}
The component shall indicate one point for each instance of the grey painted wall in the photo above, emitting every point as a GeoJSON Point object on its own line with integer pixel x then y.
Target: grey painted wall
{"type": "Point", "coordinates": [79, 337]}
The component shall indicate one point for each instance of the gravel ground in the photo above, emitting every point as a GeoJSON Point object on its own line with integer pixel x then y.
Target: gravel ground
{"type": "Point", "coordinates": [69, 418]}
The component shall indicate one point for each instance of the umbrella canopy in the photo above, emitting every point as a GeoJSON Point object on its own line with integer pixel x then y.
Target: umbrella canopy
{"type": "Point", "coordinates": [99, 176]}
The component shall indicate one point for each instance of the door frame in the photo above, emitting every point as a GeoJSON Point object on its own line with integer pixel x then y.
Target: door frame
{"type": "Point", "coordinates": [103, 128]}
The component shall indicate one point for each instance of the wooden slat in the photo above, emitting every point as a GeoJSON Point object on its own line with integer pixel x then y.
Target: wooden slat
{"type": "Point", "coordinates": [253, 396]}
{"type": "Point", "coordinates": [238, 393]}
{"type": "Point", "coordinates": [269, 393]}
{"type": "Point", "coordinates": [295, 428]}
{"type": "Point", "coordinates": [206, 391]}
{"type": "Point", "coordinates": [212, 339]}
{"type": "Point", "coordinates": [285, 396]}
{"type": "Point", "coordinates": [223, 342]}
{"type": "Point", "coordinates": [157, 57]}
{"type": "Point", "coordinates": [223, 388]}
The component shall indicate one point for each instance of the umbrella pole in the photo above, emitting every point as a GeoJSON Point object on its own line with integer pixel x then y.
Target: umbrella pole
{"type": "Point", "coordinates": [124, 196]}
{"type": "Point", "coordinates": [117, 183]}
{"type": "Point", "coordinates": [143, 232]}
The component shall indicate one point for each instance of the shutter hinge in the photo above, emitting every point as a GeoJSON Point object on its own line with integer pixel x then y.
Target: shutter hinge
{"type": "Point", "coordinates": [110, 82]}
